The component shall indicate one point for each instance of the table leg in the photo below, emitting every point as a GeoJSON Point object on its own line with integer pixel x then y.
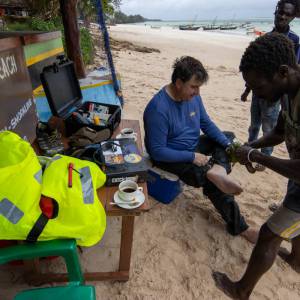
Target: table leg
{"type": "Point", "coordinates": [126, 243]}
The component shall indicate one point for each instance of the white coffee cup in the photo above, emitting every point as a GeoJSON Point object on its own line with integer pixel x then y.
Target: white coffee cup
{"type": "Point", "coordinates": [128, 190]}
{"type": "Point", "coordinates": [128, 133]}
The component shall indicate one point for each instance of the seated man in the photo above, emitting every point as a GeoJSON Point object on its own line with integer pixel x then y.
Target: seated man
{"type": "Point", "coordinates": [173, 120]}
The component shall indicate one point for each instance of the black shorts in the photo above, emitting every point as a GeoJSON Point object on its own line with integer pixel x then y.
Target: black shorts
{"type": "Point", "coordinates": [292, 197]}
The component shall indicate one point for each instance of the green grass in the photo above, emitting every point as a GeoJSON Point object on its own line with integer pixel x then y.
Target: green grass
{"type": "Point", "coordinates": [87, 46]}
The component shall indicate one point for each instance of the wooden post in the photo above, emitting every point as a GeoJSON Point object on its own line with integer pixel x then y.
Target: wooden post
{"type": "Point", "coordinates": [72, 35]}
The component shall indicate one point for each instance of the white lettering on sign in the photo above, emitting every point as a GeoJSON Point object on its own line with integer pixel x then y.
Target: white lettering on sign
{"type": "Point", "coordinates": [8, 66]}
{"type": "Point", "coordinates": [120, 179]}
{"type": "Point", "coordinates": [19, 116]}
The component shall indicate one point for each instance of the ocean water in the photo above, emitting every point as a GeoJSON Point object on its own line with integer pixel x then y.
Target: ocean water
{"type": "Point", "coordinates": [257, 24]}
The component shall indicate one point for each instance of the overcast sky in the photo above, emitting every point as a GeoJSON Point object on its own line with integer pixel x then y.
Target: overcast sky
{"type": "Point", "coordinates": [204, 9]}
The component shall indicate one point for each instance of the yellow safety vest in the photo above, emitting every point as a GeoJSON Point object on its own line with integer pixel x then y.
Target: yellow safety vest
{"type": "Point", "coordinates": [20, 187]}
{"type": "Point", "coordinates": [80, 213]}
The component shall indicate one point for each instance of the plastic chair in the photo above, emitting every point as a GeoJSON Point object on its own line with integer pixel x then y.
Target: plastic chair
{"type": "Point", "coordinates": [75, 290]}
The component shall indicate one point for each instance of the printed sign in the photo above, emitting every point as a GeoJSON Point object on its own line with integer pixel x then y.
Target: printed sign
{"type": "Point", "coordinates": [17, 107]}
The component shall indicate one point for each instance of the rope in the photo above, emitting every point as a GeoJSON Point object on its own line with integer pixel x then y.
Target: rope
{"type": "Point", "coordinates": [102, 27]}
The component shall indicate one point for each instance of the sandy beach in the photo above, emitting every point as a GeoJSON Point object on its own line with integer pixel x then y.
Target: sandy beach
{"type": "Point", "coordinates": [177, 246]}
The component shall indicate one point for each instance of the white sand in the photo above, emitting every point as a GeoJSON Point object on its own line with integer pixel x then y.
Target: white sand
{"type": "Point", "coordinates": [176, 247]}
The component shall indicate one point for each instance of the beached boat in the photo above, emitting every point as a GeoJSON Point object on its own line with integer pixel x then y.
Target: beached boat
{"type": "Point", "coordinates": [155, 27]}
{"type": "Point", "coordinates": [245, 25]}
{"type": "Point", "coordinates": [211, 27]}
{"type": "Point", "coordinates": [228, 27]}
{"type": "Point", "coordinates": [256, 32]}
{"type": "Point", "coordinates": [189, 27]}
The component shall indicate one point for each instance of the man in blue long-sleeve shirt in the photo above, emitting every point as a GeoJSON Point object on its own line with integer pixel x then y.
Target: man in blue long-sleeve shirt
{"type": "Point", "coordinates": [173, 120]}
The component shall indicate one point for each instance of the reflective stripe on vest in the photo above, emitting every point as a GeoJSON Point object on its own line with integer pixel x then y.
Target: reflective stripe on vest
{"type": "Point", "coordinates": [87, 185]}
{"type": "Point", "coordinates": [38, 176]}
{"type": "Point", "coordinates": [11, 212]}
{"type": "Point", "coordinates": [56, 157]}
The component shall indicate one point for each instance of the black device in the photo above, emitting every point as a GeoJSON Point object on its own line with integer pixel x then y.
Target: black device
{"type": "Point", "coordinates": [120, 159]}
{"type": "Point", "coordinates": [64, 96]}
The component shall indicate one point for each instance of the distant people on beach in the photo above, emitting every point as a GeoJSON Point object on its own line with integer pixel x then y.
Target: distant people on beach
{"type": "Point", "coordinates": [269, 67]}
{"type": "Point", "coordinates": [262, 113]}
{"type": "Point", "coordinates": [173, 120]}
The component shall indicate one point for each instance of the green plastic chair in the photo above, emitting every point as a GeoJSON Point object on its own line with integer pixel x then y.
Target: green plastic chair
{"type": "Point", "coordinates": [75, 290]}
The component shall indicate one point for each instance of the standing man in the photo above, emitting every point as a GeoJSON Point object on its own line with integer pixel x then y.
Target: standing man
{"type": "Point", "coordinates": [264, 114]}
{"type": "Point", "coordinates": [173, 120]}
{"type": "Point", "coordinates": [269, 67]}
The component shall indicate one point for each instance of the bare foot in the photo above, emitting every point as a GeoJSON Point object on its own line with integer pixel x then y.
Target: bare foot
{"type": "Point", "coordinates": [290, 259]}
{"type": "Point", "coordinates": [218, 176]}
{"type": "Point", "coordinates": [227, 286]}
{"type": "Point", "coordinates": [251, 235]}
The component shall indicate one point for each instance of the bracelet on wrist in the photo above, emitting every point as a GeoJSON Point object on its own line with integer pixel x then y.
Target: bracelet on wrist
{"type": "Point", "coordinates": [248, 155]}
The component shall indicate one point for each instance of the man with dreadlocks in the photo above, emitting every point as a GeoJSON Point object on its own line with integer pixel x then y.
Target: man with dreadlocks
{"type": "Point", "coordinates": [269, 67]}
{"type": "Point", "coordinates": [262, 113]}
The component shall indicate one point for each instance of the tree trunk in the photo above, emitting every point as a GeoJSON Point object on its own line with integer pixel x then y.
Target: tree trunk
{"type": "Point", "coordinates": [72, 35]}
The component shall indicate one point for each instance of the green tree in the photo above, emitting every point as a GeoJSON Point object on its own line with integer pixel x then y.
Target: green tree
{"type": "Point", "coordinates": [50, 9]}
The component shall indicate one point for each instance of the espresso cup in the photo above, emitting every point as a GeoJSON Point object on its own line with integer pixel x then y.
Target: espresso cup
{"type": "Point", "coordinates": [128, 133]}
{"type": "Point", "coordinates": [128, 190]}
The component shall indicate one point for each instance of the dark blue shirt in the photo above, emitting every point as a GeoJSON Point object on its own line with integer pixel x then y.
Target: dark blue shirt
{"type": "Point", "coordinates": [172, 128]}
{"type": "Point", "coordinates": [295, 39]}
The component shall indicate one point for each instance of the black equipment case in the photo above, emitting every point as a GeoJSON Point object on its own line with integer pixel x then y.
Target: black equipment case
{"type": "Point", "coordinates": [64, 96]}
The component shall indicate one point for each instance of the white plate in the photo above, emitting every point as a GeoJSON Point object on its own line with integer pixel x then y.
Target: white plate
{"type": "Point", "coordinates": [140, 199]}
{"type": "Point", "coordinates": [120, 136]}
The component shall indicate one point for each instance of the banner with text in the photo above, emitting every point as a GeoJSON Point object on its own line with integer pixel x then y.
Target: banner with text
{"type": "Point", "coordinates": [17, 107]}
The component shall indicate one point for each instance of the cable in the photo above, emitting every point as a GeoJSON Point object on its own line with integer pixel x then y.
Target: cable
{"type": "Point", "coordinates": [102, 27]}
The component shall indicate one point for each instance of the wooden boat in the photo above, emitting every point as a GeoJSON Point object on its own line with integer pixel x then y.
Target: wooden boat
{"type": "Point", "coordinates": [189, 27]}
{"type": "Point", "coordinates": [228, 27]}
{"type": "Point", "coordinates": [211, 27]}
{"type": "Point", "coordinates": [256, 32]}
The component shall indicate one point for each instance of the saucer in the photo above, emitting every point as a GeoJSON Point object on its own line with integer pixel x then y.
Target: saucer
{"type": "Point", "coordinates": [140, 199]}
{"type": "Point", "coordinates": [120, 136]}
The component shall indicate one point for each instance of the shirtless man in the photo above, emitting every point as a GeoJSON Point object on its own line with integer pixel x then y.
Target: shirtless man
{"type": "Point", "coordinates": [269, 67]}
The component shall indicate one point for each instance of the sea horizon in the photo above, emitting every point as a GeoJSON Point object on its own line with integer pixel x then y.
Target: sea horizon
{"type": "Point", "coordinates": [259, 24]}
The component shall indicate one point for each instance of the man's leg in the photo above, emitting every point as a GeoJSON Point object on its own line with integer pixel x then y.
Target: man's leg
{"type": "Point", "coordinates": [227, 208]}
{"type": "Point", "coordinates": [283, 224]}
{"type": "Point", "coordinates": [217, 174]}
{"type": "Point", "coordinates": [269, 116]}
{"type": "Point", "coordinates": [224, 203]}
{"type": "Point", "coordinates": [261, 260]}
{"type": "Point", "coordinates": [189, 173]}
{"type": "Point", "coordinates": [195, 176]}
{"type": "Point", "coordinates": [255, 119]}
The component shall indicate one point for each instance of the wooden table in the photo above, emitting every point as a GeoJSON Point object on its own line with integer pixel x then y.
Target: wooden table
{"type": "Point", "coordinates": [105, 194]}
